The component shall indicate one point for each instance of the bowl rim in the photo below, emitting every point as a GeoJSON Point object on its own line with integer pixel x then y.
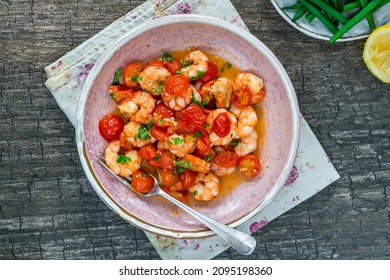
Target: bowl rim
{"type": "Point", "coordinates": [175, 19]}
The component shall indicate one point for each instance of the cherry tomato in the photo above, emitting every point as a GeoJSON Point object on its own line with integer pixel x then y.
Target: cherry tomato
{"type": "Point", "coordinates": [124, 144]}
{"type": "Point", "coordinates": [160, 133]}
{"type": "Point", "coordinates": [147, 152]}
{"type": "Point", "coordinates": [242, 97]}
{"type": "Point", "coordinates": [193, 119]}
{"type": "Point", "coordinates": [168, 178]}
{"type": "Point", "coordinates": [173, 66]}
{"type": "Point", "coordinates": [176, 85]}
{"type": "Point", "coordinates": [155, 63]}
{"type": "Point", "coordinates": [221, 125]}
{"type": "Point", "coordinates": [110, 127]}
{"type": "Point", "coordinates": [130, 74]}
{"type": "Point", "coordinates": [166, 160]}
{"type": "Point", "coordinates": [153, 163]}
{"type": "Point", "coordinates": [203, 143]}
{"type": "Point", "coordinates": [249, 166]}
{"type": "Point", "coordinates": [119, 92]}
{"type": "Point", "coordinates": [181, 196]}
{"type": "Point", "coordinates": [142, 182]}
{"type": "Point", "coordinates": [188, 179]}
{"type": "Point", "coordinates": [226, 159]}
{"type": "Point", "coordinates": [211, 73]}
{"type": "Point", "coordinates": [161, 112]}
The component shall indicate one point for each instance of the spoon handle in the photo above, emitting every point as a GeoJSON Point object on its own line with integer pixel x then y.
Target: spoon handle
{"type": "Point", "coordinates": [243, 243]}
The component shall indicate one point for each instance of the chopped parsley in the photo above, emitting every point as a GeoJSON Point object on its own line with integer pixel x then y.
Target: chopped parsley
{"type": "Point", "coordinates": [122, 159]}
{"type": "Point", "coordinates": [227, 65]}
{"type": "Point", "coordinates": [167, 57]}
{"type": "Point", "coordinates": [158, 157]}
{"type": "Point", "coordinates": [199, 74]}
{"type": "Point", "coordinates": [140, 78]}
{"type": "Point", "coordinates": [234, 143]}
{"type": "Point", "coordinates": [112, 96]}
{"type": "Point", "coordinates": [206, 125]}
{"type": "Point", "coordinates": [200, 103]}
{"type": "Point", "coordinates": [143, 132]}
{"type": "Point", "coordinates": [180, 166]}
{"type": "Point", "coordinates": [160, 122]}
{"type": "Point", "coordinates": [207, 158]}
{"type": "Point", "coordinates": [197, 134]}
{"type": "Point", "coordinates": [185, 64]}
{"type": "Point", "coordinates": [179, 72]}
{"type": "Point", "coordinates": [195, 193]}
{"type": "Point", "coordinates": [134, 78]}
{"type": "Point", "coordinates": [117, 75]}
{"type": "Point", "coordinates": [178, 140]}
{"type": "Point", "coordinates": [144, 175]}
{"type": "Point", "coordinates": [159, 89]}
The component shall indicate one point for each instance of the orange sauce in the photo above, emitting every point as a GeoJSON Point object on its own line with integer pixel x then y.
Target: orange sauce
{"type": "Point", "coordinates": [226, 70]}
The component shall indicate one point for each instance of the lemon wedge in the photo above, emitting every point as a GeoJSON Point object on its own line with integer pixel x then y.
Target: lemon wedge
{"type": "Point", "coordinates": [376, 53]}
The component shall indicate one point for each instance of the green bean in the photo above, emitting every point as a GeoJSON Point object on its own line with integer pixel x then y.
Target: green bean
{"type": "Point", "coordinates": [350, 6]}
{"type": "Point", "coordinates": [324, 19]}
{"type": "Point", "coordinates": [293, 7]}
{"type": "Point", "coordinates": [355, 20]}
{"type": "Point", "coordinates": [369, 16]}
{"type": "Point", "coordinates": [299, 13]}
{"type": "Point", "coordinates": [330, 10]}
{"type": "Point", "coordinates": [309, 17]}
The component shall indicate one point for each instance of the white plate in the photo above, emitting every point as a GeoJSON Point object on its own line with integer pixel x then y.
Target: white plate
{"type": "Point", "coordinates": [317, 30]}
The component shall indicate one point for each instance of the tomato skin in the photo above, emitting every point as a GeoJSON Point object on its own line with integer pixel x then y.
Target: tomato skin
{"type": "Point", "coordinates": [119, 92]}
{"type": "Point", "coordinates": [110, 127]}
{"type": "Point", "coordinates": [166, 160]}
{"type": "Point", "coordinates": [168, 178]}
{"type": "Point", "coordinates": [176, 85]}
{"type": "Point", "coordinates": [147, 152]}
{"type": "Point", "coordinates": [226, 159]}
{"type": "Point", "coordinates": [188, 179]}
{"type": "Point", "coordinates": [203, 143]}
{"type": "Point", "coordinates": [161, 112]}
{"type": "Point", "coordinates": [130, 74]}
{"type": "Point", "coordinates": [155, 63]}
{"type": "Point", "coordinates": [160, 133]}
{"type": "Point", "coordinates": [249, 166]}
{"type": "Point", "coordinates": [153, 163]}
{"type": "Point", "coordinates": [123, 141]}
{"type": "Point", "coordinates": [173, 66]}
{"type": "Point", "coordinates": [181, 196]}
{"type": "Point", "coordinates": [141, 182]}
{"type": "Point", "coordinates": [211, 73]}
{"type": "Point", "coordinates": [242, 97]}
{"type": "Point", "coordinates": [221, 125]}
{"type": "Point", "coordinates": [193, 119]}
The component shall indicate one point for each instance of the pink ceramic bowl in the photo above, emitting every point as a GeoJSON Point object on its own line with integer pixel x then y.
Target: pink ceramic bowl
{"type": "Point", "coordinates": [280, 109]}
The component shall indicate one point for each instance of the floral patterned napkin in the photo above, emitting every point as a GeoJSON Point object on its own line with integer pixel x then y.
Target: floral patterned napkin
{"type": "Point", "coordinates": [312, 170]}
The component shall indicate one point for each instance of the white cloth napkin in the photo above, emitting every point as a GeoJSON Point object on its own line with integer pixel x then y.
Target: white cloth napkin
{"type": "Point", "coordinates": [312, 170]}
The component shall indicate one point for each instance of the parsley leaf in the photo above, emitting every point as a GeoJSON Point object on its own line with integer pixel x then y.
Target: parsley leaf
{"type": "Point", "coordinates": [177, 140]}
{"type": "Point", "coordinates": [140, 78]}
{"type": "Point", "coordinates": [158, 157]}
{"type": "Point", "coordinates": [207, 158]}
{"type": "Point", "coordinates": [183, 164]}
{"type": "Point", "coordinates": [117, 75]}
{"type": "Point", "coordinates": [234, 143]}
{"type": "Point", "coordinates": [206, 125]}
{"type": "Point", "coordinates": [200, 103]}
{"type": "Point", "coordinates": [179, 72]}
{"type": "Point", "coordinates": [195, 192]}
{"type": "Point", "coordinates": [167, 57]}
{"type": "Point", "coordinates": [185, 64]}
{"type": "Point", "coordinates": [149, 125]}
{"type": "Point", "coordinates": [161, 121]}
{"type": "Point", "coordinates": [197, 134]}
{"type": "Point", "coordinates": [144, 175]}
{"type": "Point", "coordinates": [159, 89]}
{"type": "Point", "coordinates": [227, 65]}
{"type": "Point", "coordinates": [199, 74]}
{"type": "Point", "coordinates": [112, 96]}
{"type": "Point", "coordinates": [134, 78]}
{"type": "Point", "coordinates": [143, 132]}
{"type": "Point", "coordinates": [122, 159]}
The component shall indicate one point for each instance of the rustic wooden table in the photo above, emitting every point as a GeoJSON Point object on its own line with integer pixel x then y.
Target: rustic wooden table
{"type": "Point", "coordinates": [48, 209]}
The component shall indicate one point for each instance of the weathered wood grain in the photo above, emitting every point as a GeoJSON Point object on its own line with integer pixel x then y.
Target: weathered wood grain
{"type": "Point", "coordinates": [48, 210]}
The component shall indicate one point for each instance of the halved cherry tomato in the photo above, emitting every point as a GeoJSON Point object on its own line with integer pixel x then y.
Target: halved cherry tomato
{"type": "Point", "coordinates": [249, 166]}
{"type": "Point", "coordinates": [160, 133]}
{"type": "Point", "coordinates": [119, 92]}
{"type": "Point", "coordinates": [221, 125]}
{"type": "Point", "coordinates": [226, 159]}
{"type": "Point", "coordinates": [242, 97]}
{"type": "Point", "coordinates": [181, 196]}
{"type": "Point", "coordinates": [193, 119]}
{"type": "Point", "coordinates": [188, 179]}
{"type": "Point", "coordinates": [141, 182]}
{"type": "Point", "coordinates": [161, 112]}
{"type": "Point", "coordinates": [168, 177]}
{"type": "Point", "coordinates": [147, 152]}
{"type": "Point", "coordinates": [203, 143]}
{"type": "Point", "coordinates": [166, 160]}
{"type": "Point", "coordinates": [176, 85]}
{"type": "Point", "coordinates": [158, 63]}
{"type": "Point", "coordinates": [130, 74]}
{"type": "Point", "coordinates": [211, 73]}
{"type": "Point", "coordinates": [153, 163]}
{"type": "Point", "coordinates": [124, 144]}
{"type": "Point", "coordinates": [110, 127]}
{"type": "Point", "coordinates": [173, 65]}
